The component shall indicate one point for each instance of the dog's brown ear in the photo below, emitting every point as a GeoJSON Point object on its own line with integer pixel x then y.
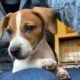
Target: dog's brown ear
{"type": "Point", "coordinates": [4, 23]}
{"type": "Point", "coordinates": [48, 16]}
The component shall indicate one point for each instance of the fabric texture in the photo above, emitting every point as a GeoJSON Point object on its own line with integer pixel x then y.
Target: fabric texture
{"type": "Point", "coordinates": [74, 73]}
{"type": "Point", "coordinates": [29, 74]}
{"type": "Point", "coordinates": [38, 74]}
{"type": "Point", "coordinates": [68, 11]}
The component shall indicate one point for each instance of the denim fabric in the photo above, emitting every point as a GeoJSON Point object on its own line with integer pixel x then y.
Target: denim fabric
{"type": "Point", "coordinates": [33, 3]}
{"type": "Point", "coordinates": [22, 3]}
{"type": "Point", "coordinates": [29, 74]}
{"type": "Point", "coordinates": [4, 40]}
{"type": "Point", "coordinates": [2, 12]}
{"type": "Point", "coordinates": [38, 74]}
{"type": "Point", "coordinates": [69, 11]}
{"type": "Point", "coordinates": [74, 73]}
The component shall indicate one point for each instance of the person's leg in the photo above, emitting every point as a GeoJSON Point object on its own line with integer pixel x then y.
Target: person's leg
{"type": "Point", "coordinates": [31, 74]}
{"type": "Point", "coordinates": [74, 73]}
{"type": "Point", "coordinates": [35, 74]}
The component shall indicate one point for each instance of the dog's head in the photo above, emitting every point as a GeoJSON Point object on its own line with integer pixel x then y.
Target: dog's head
{"type": "Point", "coordinates": [26, 29]}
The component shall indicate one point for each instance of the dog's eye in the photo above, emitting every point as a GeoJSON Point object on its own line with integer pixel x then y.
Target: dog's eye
{"type": "Point", "coordinates": [9, 31]}
{"type": "Point", "coordinates": [29, 28]}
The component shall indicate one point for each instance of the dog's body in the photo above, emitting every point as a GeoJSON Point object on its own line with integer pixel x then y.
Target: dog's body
{"type": "Point", "coordinates": [28, 43]}
{"type": "Point", "coordinates": [38, 59]}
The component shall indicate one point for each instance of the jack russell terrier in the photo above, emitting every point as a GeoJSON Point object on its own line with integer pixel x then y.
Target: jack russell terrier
{"type": "Point", "coordinates": [28, 43]}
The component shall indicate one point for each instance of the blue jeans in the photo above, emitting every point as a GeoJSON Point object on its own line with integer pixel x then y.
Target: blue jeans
{"type": "Point", "coordinates": [38, 74]}
{"type": "Point", "coordinates": [29, 74]}
{"type": "Point", "coordinates": [68, 11]}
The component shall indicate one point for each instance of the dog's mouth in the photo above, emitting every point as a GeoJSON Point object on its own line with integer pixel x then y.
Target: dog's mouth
{"type": "Point", "coordinates": [20, 57]}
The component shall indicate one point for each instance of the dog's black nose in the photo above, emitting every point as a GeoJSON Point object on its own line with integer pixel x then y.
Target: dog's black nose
{"type": "Point", "coordinates": [15, 51]}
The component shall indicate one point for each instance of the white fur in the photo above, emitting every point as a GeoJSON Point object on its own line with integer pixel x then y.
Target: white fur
{"type": "Point", "coordinates": [18, 22]}
{"type": "Point", "coordinates": [62, 72]}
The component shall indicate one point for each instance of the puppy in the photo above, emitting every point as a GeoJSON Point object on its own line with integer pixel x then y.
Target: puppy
{"type": "Point", "coordinates": [28, 45]}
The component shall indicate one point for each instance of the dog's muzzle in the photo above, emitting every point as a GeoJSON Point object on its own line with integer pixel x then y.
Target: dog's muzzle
{"type": "Point", "coordinates": [19, 48]}
{"type": "Point", "coordinates": [15, 51]}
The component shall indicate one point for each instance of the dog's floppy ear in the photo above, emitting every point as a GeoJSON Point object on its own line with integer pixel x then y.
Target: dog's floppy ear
{"type": "Point", "coordinates": [4, 23]}
{"type": "Point", "coordinates": [48, 16]}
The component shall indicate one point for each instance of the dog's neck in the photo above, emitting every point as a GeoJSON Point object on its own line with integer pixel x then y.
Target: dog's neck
{"type": "Point", "coordinates": [41, 51]}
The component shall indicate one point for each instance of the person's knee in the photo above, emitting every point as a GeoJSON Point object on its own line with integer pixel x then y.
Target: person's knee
{"type": "Point", "coordinates": [35, 74]}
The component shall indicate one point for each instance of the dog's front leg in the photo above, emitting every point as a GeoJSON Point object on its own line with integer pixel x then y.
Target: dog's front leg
{"type": "Point", "coordinates": [51, 64]}
{"type": "Point", "coordinates": [62, 74]}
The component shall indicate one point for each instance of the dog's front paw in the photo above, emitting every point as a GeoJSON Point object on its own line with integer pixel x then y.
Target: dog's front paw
{"type": "Point", "coordinates": [62, 74]}
{"type": "Point", "coordinates": [49, 64]}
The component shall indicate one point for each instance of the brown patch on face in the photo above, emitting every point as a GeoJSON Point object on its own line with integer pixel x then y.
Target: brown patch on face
{"type": "Point", "coordinates": [12, 26]}
{"type": "Point", "coordinates": [28, 19]}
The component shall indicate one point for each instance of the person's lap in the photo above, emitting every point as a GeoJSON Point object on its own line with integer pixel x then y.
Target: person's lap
{"type": "Point", "coordinates": [29, 74]}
